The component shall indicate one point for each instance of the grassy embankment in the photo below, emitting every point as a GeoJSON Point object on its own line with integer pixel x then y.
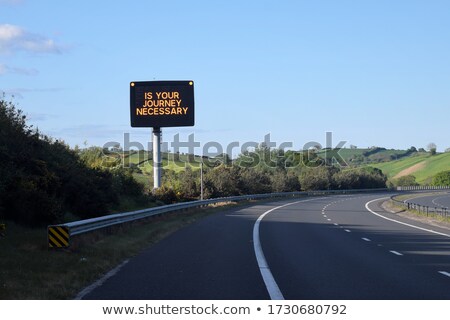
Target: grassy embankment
{"type": "Point", "coordinates": [422, 166]}
{"type": "Point", "coordinates": [169, 162]}
{"type": "Point", "coordinates": [29, 270]}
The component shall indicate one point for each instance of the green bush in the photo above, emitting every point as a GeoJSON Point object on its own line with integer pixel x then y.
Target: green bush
{"type": "Point", "coordinates": [165, 195]}
{"type": "Point", "coordinates": [283, 181]}
{"type": "Point", "coordinates": [360, 178]}
{"type": "Point", "coordinates": [29, 189]}
{"type": "Point", "coordinates": [319, 178]}
{"type": "Point", "coordinates": [442, 179]}
{"type": "Point", "coordinates": [406, 181]}
{"type": "Point", "coordinates": [222, 181]}
{"type": "Point", "coordinates": [42, 179]}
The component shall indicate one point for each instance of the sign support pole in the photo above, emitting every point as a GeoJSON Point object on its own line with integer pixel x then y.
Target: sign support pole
{"type": "Point", "coordinates": [201, 179]}
{"type": "Point", "coordinates": [157, 164]}
{"type": "Point", "coordinates": [161, 104]}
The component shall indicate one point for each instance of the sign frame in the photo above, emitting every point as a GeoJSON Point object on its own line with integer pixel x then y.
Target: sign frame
{"type": "Point", "coordinates": [159, 104]}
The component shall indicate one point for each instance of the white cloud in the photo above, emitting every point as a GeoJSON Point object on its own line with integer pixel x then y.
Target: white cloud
{"type": "Point", "coordinates": [36, 117]}
{"type": "Point", "coordinates": [14, 38]}
{"type": "Point", "coordinates": [9, 32]}
{"type": "Point", "coordinates": [4, 69]}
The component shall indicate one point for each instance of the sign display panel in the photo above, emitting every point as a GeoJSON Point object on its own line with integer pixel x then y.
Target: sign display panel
{"type": "Point", "coordinates": [162, 103]}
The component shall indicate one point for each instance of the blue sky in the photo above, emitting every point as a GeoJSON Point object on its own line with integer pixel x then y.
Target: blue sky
{"type": "Point", "coordinates": [370, 72]}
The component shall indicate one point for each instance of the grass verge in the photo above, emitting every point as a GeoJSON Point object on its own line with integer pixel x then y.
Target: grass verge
{"type": "Point", "coordinates": [28, 270]}
{"type": "Point", "coordinates": [410, 196]}
{"type": "Point", "coordinates": [430, 218]}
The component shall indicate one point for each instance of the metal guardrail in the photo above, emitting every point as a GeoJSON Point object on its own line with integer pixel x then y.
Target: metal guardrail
{"type": "Point", "coordinates": [419, 188]}
{"type": "Point", "coordinates": [428, 210]}
{"type": "Point", "coordinates": [59, 236]}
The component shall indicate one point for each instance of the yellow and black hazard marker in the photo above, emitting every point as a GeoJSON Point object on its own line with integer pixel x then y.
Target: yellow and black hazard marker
{"type": "Point", "coordinates": [58, 237]}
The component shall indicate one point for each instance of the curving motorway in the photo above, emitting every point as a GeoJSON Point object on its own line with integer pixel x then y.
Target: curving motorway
{"type": "Point", "coordinates": [439, 200]}
{"type": "Point", "coordinates": [334, 247]}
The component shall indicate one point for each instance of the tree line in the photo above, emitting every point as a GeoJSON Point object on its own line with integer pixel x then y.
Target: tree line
{"type": "Point", "coordinates": [440, 179]}
{"type": "Point", "coordinates": [44, 181]}
{"type": "Point", "coordinates": [264, 171]}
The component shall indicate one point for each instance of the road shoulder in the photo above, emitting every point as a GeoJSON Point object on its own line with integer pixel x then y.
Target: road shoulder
{"type": "Point", "coordinates": [400, 212]}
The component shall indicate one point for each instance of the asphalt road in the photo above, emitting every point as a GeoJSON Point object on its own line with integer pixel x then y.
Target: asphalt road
{"type": "Point", "coordinates": [334, 247]}
{"type": "Point", "coordinates": [433, 200]}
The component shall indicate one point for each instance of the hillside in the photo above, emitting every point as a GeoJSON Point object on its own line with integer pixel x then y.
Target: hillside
{"type": "Point", "coordinates": [170, 161]}
{"type": "Point", "coordinates": [357, 156]}
{"type": "Point", "coordinates": [422, 166]}
{"type": "Point", "coordinates": [393, 162]}
{"type": "Point", "coordinates": [142, 164]}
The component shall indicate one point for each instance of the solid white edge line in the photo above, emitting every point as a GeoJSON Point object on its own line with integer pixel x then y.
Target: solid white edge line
{"type": "Point", "coordinates": [269, 281]}
{"type": "Point", "coordinates": [444, 273]}
{"type": "Point", "coordinates": [438, 203]}
{"type": "Point", "coordinates": [99, 282]}
{"type": "Point", "coordinates": [271, 285]}
{"type": "Point", "coordinates": [403, 223]}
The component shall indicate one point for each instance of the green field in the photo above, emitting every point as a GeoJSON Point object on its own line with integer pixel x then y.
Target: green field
{"type": "Point", "coordinates": [420, 164]}
{"type": "Point", "coordinates": [358, 156]}
{"type": "Point", "coordinates": [428, 166]}
{"type": "Point", "coordinates": [395, 163]}
{"type": "Point", "coordinates": [170, 161]}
